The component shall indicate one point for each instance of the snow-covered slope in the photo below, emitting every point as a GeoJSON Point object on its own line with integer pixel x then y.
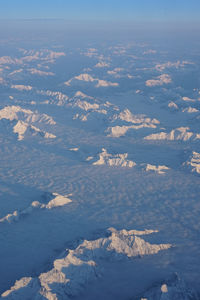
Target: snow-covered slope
{"type": "Point", "coordinates": [157, 169]}
{"type": "Point", "coordinates": [127, 116]}
{"type": "Point", "coordinates": [114, 160]}
{"type": "Point", "coordinates": [138, 121]}
{"type": "Point", "coordinates": [25, 119]}
{"type": "Point", "coordinates": [190, 110]}
{"type": "Point", "coordinates": [172, 105]}
{"type": "Point", "coordinates": [181, 133]}
{"type": "Point", "coordinates": [56, 201]}
{"type": "Point", "coordinates": [118, 131]}
{"type": "Point", "coordinates": [120, 160]}
{"type": "Point", "coordinates": [10, 217]}
{"type": "Point", "coordinates": [18, 113]}
{"type": "Point", "coordinates": [88, 78]}
{"type": "Point", "coordinates": [56, 98]}
{"type": "Point", "coordinates": [24, 130]}
{"type": "Point", "coordinates": [71, 273]}
{"type": "Point", "coordinates": [21, 87]}
{"type": "Point", "coordinates": [194, 162]}
{"type": "Point", "coordinates": [86, 106]}
{"type": "Point", "coordinates": [173, 288]}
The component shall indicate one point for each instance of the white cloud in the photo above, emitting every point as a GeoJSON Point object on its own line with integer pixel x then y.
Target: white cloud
{"type": "Point", "coordinates": [162, 79]}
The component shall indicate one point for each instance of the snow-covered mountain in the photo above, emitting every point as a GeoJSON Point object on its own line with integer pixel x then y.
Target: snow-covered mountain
{"type": "Point", "coordinates": [111, 117]}
{"type": "Point", "coordinates": [25, 130]}
{"type": "Point", "coordinates": [194, 162]}
{"type": "Point", "coordinates": [121, 160]}
{"type": "Point", "coordinates": [127, 116]}
{"type": "Point", "coordinates": [138, 121]}
{"type": "Point", "coordinates": [88, 78]}
{"type": "Point", "coordinates": [56, 200]}
{"type": "Point", "coordinates": [173, 288]}
{"type": "Point", "coordinates": [181, 133]}
{"type": "Point", "coordinates": [157, 169]}
{"type": "Point", "coordinates": [20, 114]}
{"type": "Point", "coordinates": [77, 268]}
{"type": "Point", "coordinates": [25, 119]}
{"type": "Point", "coordinates": [56, 98]}
{"type": "Point", "coordinates": [114, 160]}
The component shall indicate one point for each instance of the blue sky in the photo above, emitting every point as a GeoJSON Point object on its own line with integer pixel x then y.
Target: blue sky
{"type": "Point", "coordinates": [131, 10]}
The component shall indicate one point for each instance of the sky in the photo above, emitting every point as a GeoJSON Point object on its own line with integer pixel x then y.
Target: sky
{"type": "Point", "coordinates": [116, 10]}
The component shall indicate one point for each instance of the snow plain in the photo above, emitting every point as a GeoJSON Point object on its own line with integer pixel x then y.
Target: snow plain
{"type": "Point", "coordinates": [95, 136]}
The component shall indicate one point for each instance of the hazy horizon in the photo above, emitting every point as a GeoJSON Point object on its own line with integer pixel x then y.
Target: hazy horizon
{"type": "Point", "coordinates": [171, 10]}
